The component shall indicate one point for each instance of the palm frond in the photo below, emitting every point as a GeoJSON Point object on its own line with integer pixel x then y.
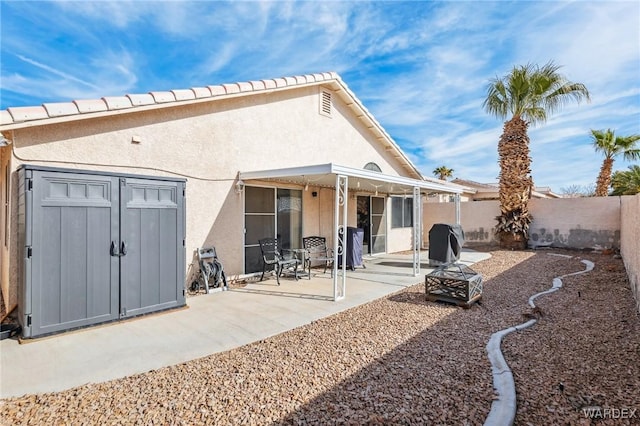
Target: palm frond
{"type": "Point", "coordinates": [532, 93]}
{"type": "Point", "coordinates": [611, 146]}
{"type": "Point", "coordinates": [626, 182]}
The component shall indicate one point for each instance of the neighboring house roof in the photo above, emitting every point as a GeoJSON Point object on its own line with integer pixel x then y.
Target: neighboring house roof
{"type": "Point", "coordinates": [485, 188]}
{"type": "Point", "coordinates": [453, 185]}
{"type": "Point", "coordinates": [476, 186]}
{"type": "Point", "coordinates": [50, 113]}
{"type": "Point", "coordinates": [545, 190]}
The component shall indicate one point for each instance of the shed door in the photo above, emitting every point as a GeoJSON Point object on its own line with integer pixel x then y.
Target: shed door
{"type": "Point", "coordinates": [75, 279]}
{"type": "Point", "coordinates": [152, 270]}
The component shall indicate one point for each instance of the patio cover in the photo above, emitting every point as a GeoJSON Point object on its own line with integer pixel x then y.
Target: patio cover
{"type": "Point", "coordinates": [343, 179]}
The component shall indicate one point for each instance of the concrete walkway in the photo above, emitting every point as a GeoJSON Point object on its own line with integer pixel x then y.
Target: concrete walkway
{"type": "Point", "coordinates": [211, 323]}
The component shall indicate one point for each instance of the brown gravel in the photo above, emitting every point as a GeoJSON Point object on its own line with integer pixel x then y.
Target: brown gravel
{"type": "Point", "coordinates": [398, 360]}
{"type": "Point", "coordinates": [584, 352]}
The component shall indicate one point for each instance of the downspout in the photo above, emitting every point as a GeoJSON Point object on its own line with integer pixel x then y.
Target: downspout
{"type": "Point", "coordinates": [7, 142]}
{"type": "Point", "coordinates": [417, 226]}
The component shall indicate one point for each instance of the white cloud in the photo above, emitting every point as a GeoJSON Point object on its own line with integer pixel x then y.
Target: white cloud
{"type": "Point", "coordinates": [421, 68]}
{"type": "Point", "coordinates": [119, 13]}
{"type": "Point", "coordinates": [218, 59]}
{"type": "Point", "coordinates": [595, 41]}
{"type": "Point", "coordinates": [56, 72]}
{"type": "Point", "coordinates": [110, 74]}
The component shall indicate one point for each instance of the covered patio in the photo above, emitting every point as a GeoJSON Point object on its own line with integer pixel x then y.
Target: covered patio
{"type": "Point", "coordinates": [348, 180]}
{"type": "Point", "coordinates": [210, 324]}
{"type": "Point", "coordinates": [383, 275]}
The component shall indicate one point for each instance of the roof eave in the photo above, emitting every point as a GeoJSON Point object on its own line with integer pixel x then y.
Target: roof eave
{"type": "Point", "coordinates": [330, 168]}
{"type": "Point", "coordinates": [318, 80]}
{"type": "Point", "coordinates": [374, 126]}
{"type": "Point", "coordinates": [120, 105]}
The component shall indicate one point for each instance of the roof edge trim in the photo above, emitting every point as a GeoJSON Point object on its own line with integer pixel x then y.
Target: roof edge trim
{"type": "Point", "coordinates": [331, 168]}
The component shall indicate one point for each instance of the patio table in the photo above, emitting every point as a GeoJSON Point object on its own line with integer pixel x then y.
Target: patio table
{"type": "Point", "coordinates": [303, 257]}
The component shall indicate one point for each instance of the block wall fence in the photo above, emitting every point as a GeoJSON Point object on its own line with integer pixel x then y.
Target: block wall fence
{"type": "Point", "coordinates": [577, 223]}
{"type": "Point", "coordinates": [630, 242]}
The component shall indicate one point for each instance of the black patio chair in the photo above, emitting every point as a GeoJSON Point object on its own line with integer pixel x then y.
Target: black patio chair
{"type": "Point", "coordinates": [273, 256]}
{"type": "Point", "coordinates": [318, 252]}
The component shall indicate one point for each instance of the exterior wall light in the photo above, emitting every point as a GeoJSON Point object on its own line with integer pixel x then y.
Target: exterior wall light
{"type": "Point", "coordinates": [239, 187]}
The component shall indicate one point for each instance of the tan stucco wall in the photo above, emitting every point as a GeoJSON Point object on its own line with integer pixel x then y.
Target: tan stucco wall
{"type": "Point", "coordinates": [210, 143]}
{"type": "Point", "coordinates": [590, 222]}
{"type": "Point", "coordinates": [630, 241]}
{"type": "Point", "coordinates": [594, 222]}
{"type": "Point", "coordinates": [399, 239]}
{"type": "Point", "coordinates": [476, 217]}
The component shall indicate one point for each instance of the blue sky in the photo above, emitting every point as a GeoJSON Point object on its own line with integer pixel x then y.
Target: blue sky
{"type": "Point", "coordinates": [420, 67]}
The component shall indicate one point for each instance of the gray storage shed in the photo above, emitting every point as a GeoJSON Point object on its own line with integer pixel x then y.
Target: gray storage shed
{"type": "Point", "coordinates": [98, 247]}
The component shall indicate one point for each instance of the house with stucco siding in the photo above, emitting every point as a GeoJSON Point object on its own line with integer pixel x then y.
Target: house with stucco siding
{"type": "Point", "coordinates": [286, 157]}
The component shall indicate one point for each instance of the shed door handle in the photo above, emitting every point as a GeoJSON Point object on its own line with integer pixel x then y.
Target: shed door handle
{"type": "Point", "coordinates": [113, 250]}
{"type": "Point", "coordinates": [123, 249]}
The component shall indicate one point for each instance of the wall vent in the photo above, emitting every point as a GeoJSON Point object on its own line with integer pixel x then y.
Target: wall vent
{"type": "Point", "coordinates": [325, 103]}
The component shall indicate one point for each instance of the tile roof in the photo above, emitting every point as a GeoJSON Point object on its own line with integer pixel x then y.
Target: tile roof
{"type": "Point", "coordinates": [537, 191]}
{"type": "Point", "coordinates": [15, 115]}
{"type": "Point", "coordinates": [19, 117]}
{"type": "Point", "coordinates": [476, 185]}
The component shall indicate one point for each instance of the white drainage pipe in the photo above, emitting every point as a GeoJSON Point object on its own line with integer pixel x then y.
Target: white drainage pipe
{"type": "Point", "coordinates": [503, 408]}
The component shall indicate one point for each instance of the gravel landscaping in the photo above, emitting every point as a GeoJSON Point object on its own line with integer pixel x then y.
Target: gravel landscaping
{"type": "Point", "coordinates": [400, 360]}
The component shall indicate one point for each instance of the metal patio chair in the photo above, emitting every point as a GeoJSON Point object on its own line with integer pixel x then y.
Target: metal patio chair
{"type": "Point", "coordinates": [317, 251]}
{"type": "Point", "coordinates": [273, 256]}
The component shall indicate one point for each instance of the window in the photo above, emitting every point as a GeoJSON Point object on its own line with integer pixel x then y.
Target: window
{"type": "Point", "coordinates": [373, 167]}
{"type": "Point", "coordinates": [401, 212]}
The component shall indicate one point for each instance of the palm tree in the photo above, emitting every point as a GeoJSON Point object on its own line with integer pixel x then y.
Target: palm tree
{"type": "Point", "coordinates": [527, 94]}
{"type": "Point", "coordinates": [442, 172]}
{"type": "Point", "coordinates": [611, 146]}
{"type": "Point", "coordinates": [626, 182]}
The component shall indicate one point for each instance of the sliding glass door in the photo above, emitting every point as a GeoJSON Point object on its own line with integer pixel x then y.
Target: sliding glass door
{"type": "Point", "coordinates": [378, 226]}
{"type": "Point", "coordinates": [289, 218]}
{"type": "Point", "coordinates": [270, 212]}
{"type": "Point", "coordinates": [371, 218]}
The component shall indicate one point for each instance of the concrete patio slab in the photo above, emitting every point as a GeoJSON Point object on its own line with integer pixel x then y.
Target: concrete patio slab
{"type": "Point", "coordinates": [211, 323]}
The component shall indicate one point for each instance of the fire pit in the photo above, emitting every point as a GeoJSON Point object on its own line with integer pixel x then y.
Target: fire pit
{"type": "Point", "coordinates": [454, 283]}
